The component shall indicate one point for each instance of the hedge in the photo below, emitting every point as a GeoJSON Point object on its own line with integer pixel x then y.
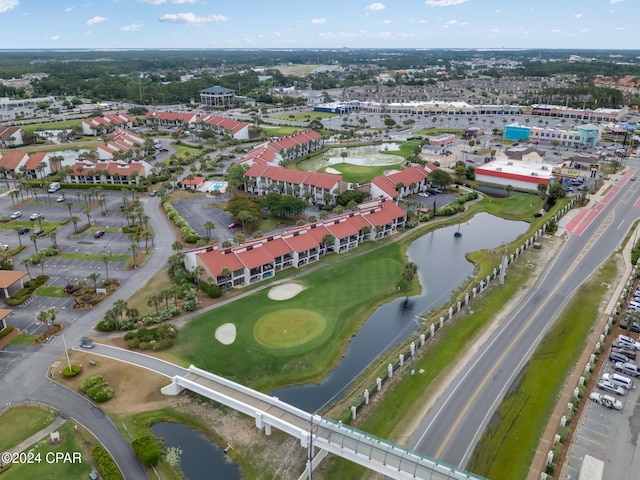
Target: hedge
{"type": "Point", "coordinates": [189, 235]}
{"type": "Point", "coordinates": [7, 331]}
{"type": "Point", "coordinates": [148, 449]}
{"type": "Point", "coordinates": [97, 388]}
{"type": "Point", "coordinates": [30, 286]}
{"type": "Point", "coordinates": [106, 465]}
{"type": "Point", "coordinates": [75, 370]}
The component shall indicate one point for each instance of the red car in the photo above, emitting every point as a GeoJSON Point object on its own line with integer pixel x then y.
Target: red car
{"type": "Point", "coordinates": [163, 150]}
{"type": "Point", "coordinates": [628, 352]}
{"type": "Point", "coordinates": [233, 225]}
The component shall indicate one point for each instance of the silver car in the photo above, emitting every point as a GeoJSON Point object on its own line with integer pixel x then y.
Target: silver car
{"type": "Point", "coordinates": [609, 387]}
{"type": "Point", "coordinates": [606, 400]}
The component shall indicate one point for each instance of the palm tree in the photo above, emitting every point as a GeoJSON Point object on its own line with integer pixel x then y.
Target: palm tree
{"type": "Point", "coordinates": [43, 317]}
{"type": "Point", "coordinates": [26, 262]}
{"type": "Point", "coordinates": [209, 225]}
{"type": "Point", "coordinates": [197, 273]}
{"type": "Point", "coordinates": [147, 235]}
{"type": "Point", "coordinates": [69, 205]}
{"type": "Point", "coordinates": [74, 220]}
{"type": "Point", "coordinates": [243, 216]}
{"type": "Point", "coordinates": [106, 258]}
{"type": "Point", "coordinates": [94, 276]}
{"type": "Point", "coordinates": [52, 236]}
{"type": "Point", "coordinates": [17, 229]}
{"type": "Point", "coordinates": [154, 300]}
{"type": "Point", "coordinates": [87, 212]}
{"type": "Point", "coordinates": [134, 248]}
{"type": "Point", "coordinates": [34, 238]}
{"type": "Point", "coordinates": [176, 246]}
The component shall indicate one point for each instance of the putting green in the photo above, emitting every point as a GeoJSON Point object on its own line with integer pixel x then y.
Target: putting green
{"type": "Point", "coordinates": [288, 328]}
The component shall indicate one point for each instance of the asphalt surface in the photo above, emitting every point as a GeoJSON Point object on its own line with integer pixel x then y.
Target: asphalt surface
{"type": "Point", "coordinates": [453, 427]}
{"type": "Point", "coordinates": [24, 371]}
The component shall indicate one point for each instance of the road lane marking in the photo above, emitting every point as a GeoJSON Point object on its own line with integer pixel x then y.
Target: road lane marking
{"type": "Point", "coordinates": [592, 241]}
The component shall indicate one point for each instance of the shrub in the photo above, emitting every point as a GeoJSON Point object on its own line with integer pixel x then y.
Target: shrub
{"type": "Point", "coordinates": [7, 331]}
{"type": "Point", "coordinates": [212, 290]}
{"type": "Point", "coordinates": [189, 306]}
{"type": "Point", "coordinates": [97, 389]}
{"type": "Point", "coordinates": [106, 465]}
{"type": "Point", "coordinates": [148, 449]}
{"type": "Point", "coordinates": [75, 370]}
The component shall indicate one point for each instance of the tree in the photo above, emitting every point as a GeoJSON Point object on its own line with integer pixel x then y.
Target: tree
{"type": "Point", "coordinates": [34, 238]}
{"type": "Point", "coordinates": [25, 262]}
{"type": "Point", "coordinates": [408, 273]}
{"type": "Point", "coordinates": [176, 246]}
{"type": "Point", "coordinates": [440, 178]}
{"type": "Point", "coordinates": [542, 189]}
{"type": "Point", "coordinates": [244, 216]}
{"type": "Point", "coordinates": [209, 225]}
{"type": "Point", "coordinates": [43, 317]}
{"type": "Point", "coordinates": [94, 276]}
{"type": "Point", "coordinates": [154, 300]}
{"type": "Point", "coordinates": [106, 258]}
{"type": "Point", "coordinates": [509, 189]}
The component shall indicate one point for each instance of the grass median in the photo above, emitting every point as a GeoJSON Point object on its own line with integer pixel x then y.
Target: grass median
{"type": "Point", "coordinates": [508, 445]}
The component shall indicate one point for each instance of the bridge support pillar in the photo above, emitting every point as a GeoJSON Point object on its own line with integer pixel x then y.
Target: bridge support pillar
{"type": "Point", "coordinates": [172, 389]}
{"type": "Point", "coordinates": [267, 429]}
{"type": "Point", "coordinates": [314, 463]}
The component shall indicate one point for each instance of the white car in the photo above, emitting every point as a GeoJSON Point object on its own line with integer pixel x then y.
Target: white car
{"type": "Point", "coordinates": [4, 247]}
{"type": "Point", "coordinates": [628, 368]}
{"type": "Point", "coordinates": [423, 194]}
{"type": "Point", "coordinates": [15, 215]}
{"type": "Point", "coordinates": [34, 217]}
{"type": "Point", "coordinates": [60, 199]}
{"type": "Point", "coordinates": [606, 400]}
{"type": "Point", "coordinates": [607, 386]}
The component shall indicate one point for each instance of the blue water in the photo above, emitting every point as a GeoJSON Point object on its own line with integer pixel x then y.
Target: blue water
{"type": "Point", "coordinates": [442, 268]}
{"type": "Point", "coordinates": [200, 458]}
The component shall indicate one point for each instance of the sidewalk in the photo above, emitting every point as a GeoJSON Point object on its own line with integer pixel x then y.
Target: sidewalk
{"type": "Point", "coordinates": [546, 442]}
{"type": "Point", "coordinates": [22, 446]}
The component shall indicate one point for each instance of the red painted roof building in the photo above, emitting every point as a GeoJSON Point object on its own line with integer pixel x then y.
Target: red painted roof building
{"type": "Point", "coordinates": [263, 257]}
{"type": "Point", "coordinates": [286, 148]}
{"type": "Point", "coordinates": [411, 179]}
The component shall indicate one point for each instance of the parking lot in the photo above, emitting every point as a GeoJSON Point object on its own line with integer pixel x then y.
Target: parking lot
{"type": "Point", "coordinates": [608, 434]}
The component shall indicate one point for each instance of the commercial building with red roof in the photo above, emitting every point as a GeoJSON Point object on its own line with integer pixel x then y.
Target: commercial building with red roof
{"type": "Point", "coordinates": [411, 180]}
{"type": "Point", "coordinates": [263, 257]}
{"type": "Point", "coordinates": [317, 188]}
{"type": "Point", "coordinates": [523, 176]}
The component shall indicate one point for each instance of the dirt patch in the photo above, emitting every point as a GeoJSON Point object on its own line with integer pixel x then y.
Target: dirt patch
{"type": "Point", "coordinates": [138, 390]}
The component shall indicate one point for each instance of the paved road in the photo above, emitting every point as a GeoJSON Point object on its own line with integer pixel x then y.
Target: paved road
{"type": "Point", "coordinates": [453, 427]}
{"type": "Point", "coordinates": [27, 377]}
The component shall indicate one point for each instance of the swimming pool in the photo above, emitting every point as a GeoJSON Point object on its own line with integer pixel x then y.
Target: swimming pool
{"type": "Point", "coordinates": [215, 187]}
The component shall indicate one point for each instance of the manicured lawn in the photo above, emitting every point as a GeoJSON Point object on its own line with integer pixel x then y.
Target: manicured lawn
{"type": "Point", "coordinates": [50, 469]}
{"type": "Point", "coordinates": [515, 207]}
{"type": "Point", "coordinates": [50, 291]}
{"type": "Point", "coordinates": [61, 125]}
{"type": "Point", "coordinates": [406, 149]}
{"type": "Point", "coordinates": [24, 339]}
{"type": "Point", "coordinates": [354, 287]}
{"type": "Point", "coordinates": [360, 173]}
{"type": "Point", "coordinates": [279, 131]}
{"type": "Point", "coordinates": [22, 421]}
{"type": "Point", "coordinates": [289, 327]}
{"type": "Point", "coordinates": [508, 446]}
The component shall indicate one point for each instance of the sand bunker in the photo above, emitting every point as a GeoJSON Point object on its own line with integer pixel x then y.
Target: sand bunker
{"type": "Point", "coordinates": [332, 170]}
{"type": "Point", "coordinates": [226, 334]}
{"type": "Point", "coordinates": [285, 291]}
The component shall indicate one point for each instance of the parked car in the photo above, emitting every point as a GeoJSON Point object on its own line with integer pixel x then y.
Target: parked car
{"type": "Point", "coordinates": [38, 231]}
{"type": "Point", "coordinates": [627, 352]}
{"type": "Point", "coordinates": [630, 324]}
{"type": "Point", "coordinates": [619, 380]}
{"type": "Point", "coordinates": [233, 225]}
{"type": "Point", "coordinates": [627, 341]}
{"type": "Point", "coordinates": [98, 234]}
{"type": "Point", "coordinates": [618, 357]}
{"type": "Point", "coordinates": [4, 247]}
{"type": "Point", "coordinates": [153, 193]}
{"type": "Point", "coordinates": [164, 149]}
{"type": "Point", "coordinates": [628, 368]}
{"type": "Point", "coordinates": [423, 194]}
{"type": "Point", "coordinates": [24, 230]}
{"type": "Point", "coordinates": [60, 199]}
{"type": "Point", "coordinates": [15, 215]}
{"type": "Point", "coordinates": [34, 217]}
{"type": "Point", "coordinates": [607, 386]}
{"type": "Point", "coordinates": [606, 400]}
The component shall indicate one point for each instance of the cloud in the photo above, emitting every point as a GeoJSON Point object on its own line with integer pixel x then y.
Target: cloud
{"type": "Point", "coordinates": [584, 30]}
{"type": "Point", "coordinates": [384, 22]}
{"type": "Point", "coordinates": [276, 34]}
{"type": "Point", "coordinates": [613, 2]}
{"type": "Point", "coordinates": [68, 9]}
{"type": "Point", "coordinates": [6, 5]}
{"type": "Point", "coordinates": [191, 19]}
{"type": "Point", "coordinates": [96, 19]}
{"type": "Point", "coordinates": [55, 37]}
{"type": "Point", "coordinates": [619, 28]}
{"type": "Point", "coordinates": [555, 30]}
{"type": "Point", "coordinates": [444, 3]}
{"type": "Point", "coordinates": [162, 2]}
{"type": "Point", "coordinates": [497, 11]}
{"type": "Point", "coordinates": [577, 15]}
{"type": "Point", "coordinates": [318, 21]}
{"type": "Point", "coordinates": [132, 27]}
{"type": "Point", "coordinates": [374, 7]}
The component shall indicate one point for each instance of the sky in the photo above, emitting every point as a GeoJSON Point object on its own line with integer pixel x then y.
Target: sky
{"type": "Point", "coordinates": [96, 24]}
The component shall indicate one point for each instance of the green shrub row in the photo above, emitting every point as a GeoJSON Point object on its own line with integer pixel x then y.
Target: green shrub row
{"type": "Point", "coordinates": [160, 317]}
{"type": "Point", "coordinates": [7, 331]}
{"type": "Point", "coordinates": [189, 235]}
{"type": "Point", "coordinates": [157, 338]}
{"type": "Point", "coordinates": [30, 286]}
{"type": "Point", "coordinates": [212, 290]}
{"type": "Point", "coordinates": [106, 465]}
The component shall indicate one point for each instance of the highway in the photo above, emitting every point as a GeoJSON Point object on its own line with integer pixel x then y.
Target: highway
{"type": "Point", "coordinates": [454, 425]}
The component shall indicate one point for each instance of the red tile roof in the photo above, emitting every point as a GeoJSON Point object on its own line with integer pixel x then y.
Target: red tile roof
{"type": "Point", "coordinates": [255, 257]}
{"type": "Point", "coordinates": [277, 247]}
{"type": "Point", "coordinates": [194, 181]}
{"type": "Point", "coordinates": [35, 159]}
{"type": "Point", "coordinates": [343, 229]}
{"type": "Point", "coordinates": [11, 159]}
{"type": "Point", "coordinates": [216, 261]}
{"type": "Point", "coordinates": [302, 243]}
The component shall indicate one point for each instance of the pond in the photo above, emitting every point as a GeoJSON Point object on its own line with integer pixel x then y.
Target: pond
{"type": "Point", "coordinates": [200, 459]}
{"type": "Point", "coordinates": [70, 157]}
{"type": "Point", "coordinates": [370, 155]}
{"type": "Point", "coordinates": [442, 269]}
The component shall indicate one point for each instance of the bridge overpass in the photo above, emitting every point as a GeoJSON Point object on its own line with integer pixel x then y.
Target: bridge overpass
{"type": "Point", "coordinates": [315, 432]}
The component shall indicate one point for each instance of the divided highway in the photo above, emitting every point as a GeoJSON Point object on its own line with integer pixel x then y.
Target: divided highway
{"type": "Point", "coordinates": [454, 425]}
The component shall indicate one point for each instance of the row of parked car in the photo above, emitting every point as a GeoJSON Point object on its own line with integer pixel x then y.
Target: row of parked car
{"type": "Point", "coordinates": [622, 355]}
